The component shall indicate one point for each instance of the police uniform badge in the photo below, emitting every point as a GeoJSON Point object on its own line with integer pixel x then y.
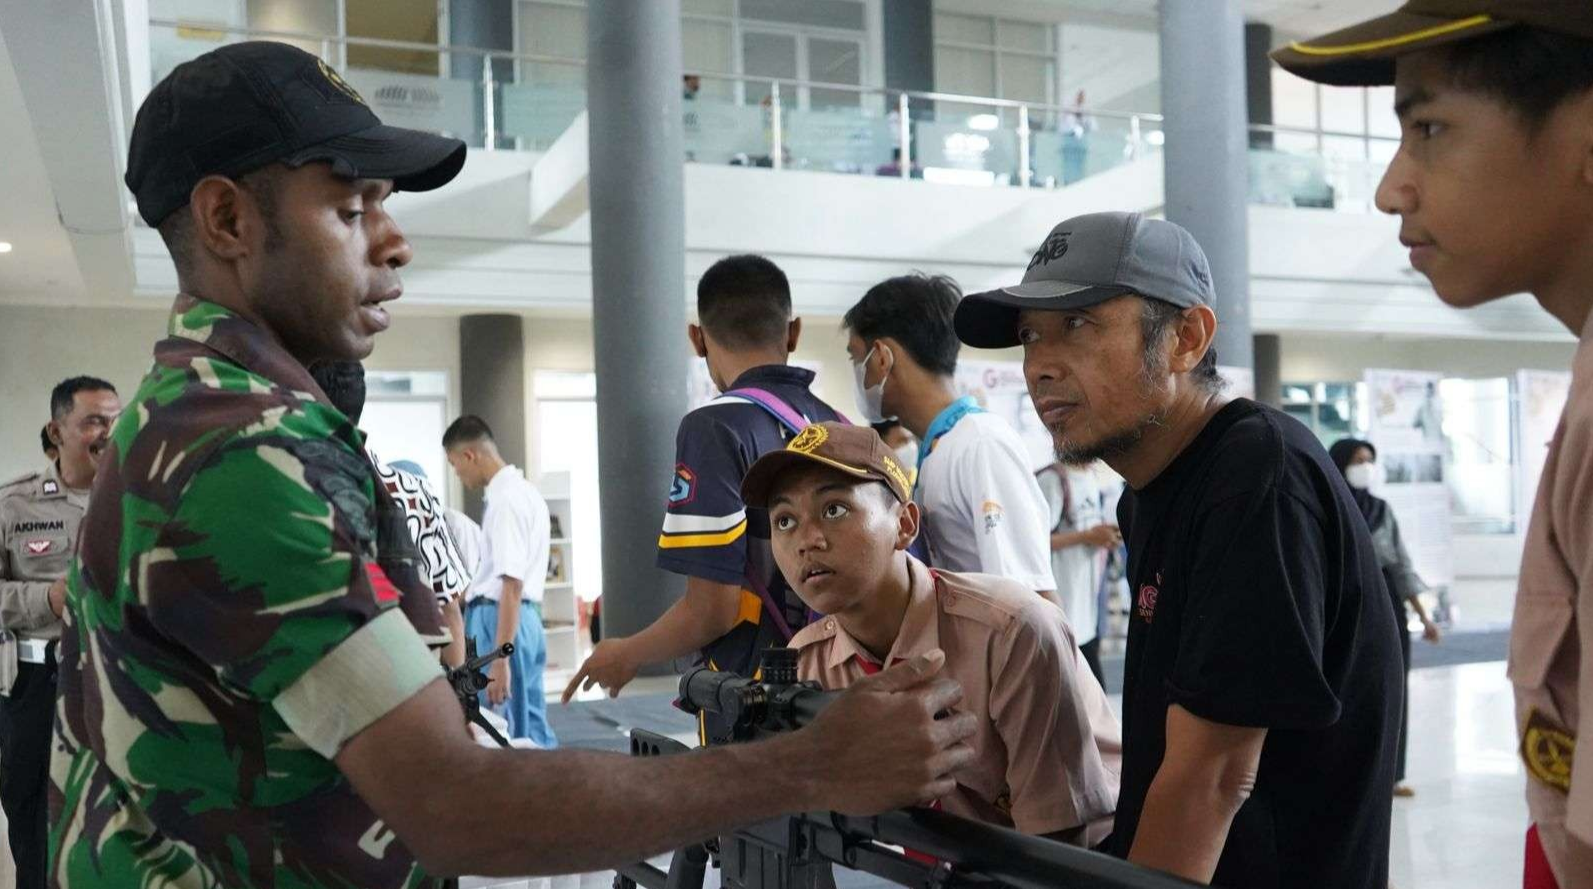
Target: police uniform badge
{"type": "Point", "coordinates": [1548, 750]}
{"type": "Point", "coordinates": [51, 486]}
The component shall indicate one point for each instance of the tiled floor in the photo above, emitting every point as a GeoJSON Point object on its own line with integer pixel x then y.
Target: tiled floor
{"type": "Point", "coordinates": [1465, 825]}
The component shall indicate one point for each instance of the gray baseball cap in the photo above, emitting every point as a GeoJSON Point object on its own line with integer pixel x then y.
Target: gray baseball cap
{"type": "Point", "coordinates": [1088, 260]}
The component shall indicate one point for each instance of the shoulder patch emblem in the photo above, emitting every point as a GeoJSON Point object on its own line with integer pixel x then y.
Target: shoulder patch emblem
{"type": "Point", "coordinates": [51, 487]}
{"type": "Point", "coordinates": [809, 439]}
{"type": "Point", "coordinates": [683, 487]}
{"type": "Point", "coordinates": [39, 547]}
{"type": "Point", "coordinates": [993, 514]}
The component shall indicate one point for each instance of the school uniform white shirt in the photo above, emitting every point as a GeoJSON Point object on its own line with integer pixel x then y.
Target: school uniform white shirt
{"type": "Point", "coordinates": [983, 510]}
{"type": "Point", "coordinates": [515, 529]}
{"type": "Point", "coordinates": [1076, 569]}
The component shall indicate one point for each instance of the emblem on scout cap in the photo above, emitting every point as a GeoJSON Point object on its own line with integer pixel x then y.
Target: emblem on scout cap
{"type": "Point", "coordinates": [337, 80]}
{"type": "Point", "coordinates": [809, 439]}
{"type": "Point", "coordinates": [1548, 751]}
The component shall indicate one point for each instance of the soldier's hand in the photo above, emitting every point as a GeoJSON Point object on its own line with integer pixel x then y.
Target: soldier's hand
{"type": "Point", "coordinates": [880, 746]}
{"type": "Point", "coordinates": [498, 682]}
{"type": "Point", "coordinates": [610, 666]}
{"type": "Point", "coordinates": [57, 597]}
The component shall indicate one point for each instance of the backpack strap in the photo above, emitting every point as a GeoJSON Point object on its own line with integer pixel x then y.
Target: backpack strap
{"type": "Point", "coordinates": [774, 404]}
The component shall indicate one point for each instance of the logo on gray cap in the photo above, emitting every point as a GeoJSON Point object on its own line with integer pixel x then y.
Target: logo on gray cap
{"type": "Point", "coordinates": [1054, 248]}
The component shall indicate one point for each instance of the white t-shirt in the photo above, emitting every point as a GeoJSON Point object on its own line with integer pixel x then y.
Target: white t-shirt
{"type": "Point", "coordinates": [983, 510]}
{"type": "Point", "coordinates": [515, 528]}
{"type": "Point", "coordinates": [1077, 569]}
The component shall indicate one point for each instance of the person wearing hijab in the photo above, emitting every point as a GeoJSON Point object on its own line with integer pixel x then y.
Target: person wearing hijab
{"type": "Point", "coordinates": [1357, 459]}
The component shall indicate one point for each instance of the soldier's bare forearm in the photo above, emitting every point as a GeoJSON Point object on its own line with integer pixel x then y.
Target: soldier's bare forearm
{"type": "Point", "coordinates": [613, 808]}
{"type": "Point", "coordinates": [707, 611]}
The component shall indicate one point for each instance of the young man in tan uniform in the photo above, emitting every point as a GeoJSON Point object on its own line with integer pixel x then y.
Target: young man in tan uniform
{"type": "Point", "coordinates": [1493, 183]}
{"type": "Point", "coordinates": [1046, 755]}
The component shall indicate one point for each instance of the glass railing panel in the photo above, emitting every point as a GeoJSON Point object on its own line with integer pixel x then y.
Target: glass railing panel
{"type": "Point", "coordinates": [720, 132]}
{"type": "Point", "coordinates": [445, 105]}
{"type": "Point", "coordinates": [1063, 157]}
{"type": "Point", "coordinates": [537, 114]}
{"type": "Point", "coordinates": [965, 149]}
{"type": "Point", "coordinates": [839, 140]}
{"type": "Point", "coordinates": [1286, 179]}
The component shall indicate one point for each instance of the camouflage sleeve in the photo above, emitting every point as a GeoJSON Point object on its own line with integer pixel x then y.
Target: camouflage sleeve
{"type": "Point", "coordinates": [264, 572]}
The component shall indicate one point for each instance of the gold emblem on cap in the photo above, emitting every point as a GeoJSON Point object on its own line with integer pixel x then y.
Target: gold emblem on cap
{"type": "Point", "coordinates": [809, 439]}
{"type": "Point", "coordinates": [337, 80]}
{"type": "Point", "coordinates": [1548, 751]}
{"type": "Point", "coordinates": [894, 470]}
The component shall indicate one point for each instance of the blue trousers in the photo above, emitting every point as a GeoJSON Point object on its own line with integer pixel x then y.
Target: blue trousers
{"type": "Point", "coordinates": [526, 708]}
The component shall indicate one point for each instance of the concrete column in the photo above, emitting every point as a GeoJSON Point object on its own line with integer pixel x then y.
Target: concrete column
{"type": "Point", "coordinates": [482, 24]}
{"type": "Point", "coordinates": [638, 291]}
{"type": "Point", "coordinates": [492, 385]}
{"type": "Point", "coordinates": [910, 50]}
{"type": "Point", "coordinates": [1203, 97]}
{"type": "Point", "coordinates": [1269, 369]}
{"type": "Point", "coordinates": [1258, 80]}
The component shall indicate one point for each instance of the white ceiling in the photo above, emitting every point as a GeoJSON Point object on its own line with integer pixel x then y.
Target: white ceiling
{"type": "Point", "coordinates": [42, 260]}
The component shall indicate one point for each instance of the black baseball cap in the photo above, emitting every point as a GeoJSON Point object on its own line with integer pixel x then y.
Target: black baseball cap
{"type": "Point", "coordinates": [1363, 54]}
{"type": "Point", "coordinates": [1086, 261]}
{"type": "Point", "coordinates": [247, 105]}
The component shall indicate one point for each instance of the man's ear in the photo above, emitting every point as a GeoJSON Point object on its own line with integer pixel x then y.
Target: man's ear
{"type": "Point", "coordinates": [907, 525]}
{"type": "Point", "coordinates": [215, 207]}
{"type": "Point", "coordinates": [56, 437]}
{"type": "Point", "coordinates": [793, 332]}
{"type": "Point", "coordinates": [699, 342]}
{"type": "Point", "coordinates": [1196, 330]}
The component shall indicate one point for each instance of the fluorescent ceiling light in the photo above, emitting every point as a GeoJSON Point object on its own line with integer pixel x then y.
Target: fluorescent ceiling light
{"type": "Point", "coordinates": [5, 246]}
{"type": "Point", "coordinates": [983, 122]}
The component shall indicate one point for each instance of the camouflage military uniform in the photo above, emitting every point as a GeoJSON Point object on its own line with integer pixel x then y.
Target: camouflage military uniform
{"type": "Point", "coordinates": [235, 615]}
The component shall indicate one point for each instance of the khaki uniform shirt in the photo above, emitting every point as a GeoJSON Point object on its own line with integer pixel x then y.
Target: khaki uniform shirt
{"type": "Point", "coordinates": [39, 517]}
{"type": "Point", "coordinates": [1048, 750]}
{"type": "Point", "coordinates": [1553, 631]}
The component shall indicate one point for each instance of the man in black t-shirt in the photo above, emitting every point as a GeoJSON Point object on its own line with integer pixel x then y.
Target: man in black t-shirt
{"type": "Point", "coordinates": [1262, 690]}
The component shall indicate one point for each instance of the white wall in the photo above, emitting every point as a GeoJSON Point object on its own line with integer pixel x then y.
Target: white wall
{"type": "Point", "coordinates": [39, 347]}
{"type": "Point", "coordinates": [1337, 358]}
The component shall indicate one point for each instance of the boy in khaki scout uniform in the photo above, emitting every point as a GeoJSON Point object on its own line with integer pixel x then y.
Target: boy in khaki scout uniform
{"type": "Point", "coordinates": [1493, 183]}
{"type": "Point", "coordinates": [39, 516]}
{"type": "Point", "coordinates": [841, 516]}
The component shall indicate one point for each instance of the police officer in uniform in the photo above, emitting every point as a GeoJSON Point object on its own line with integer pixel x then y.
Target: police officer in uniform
{"type": "Point", "coordinates": [39, 516]}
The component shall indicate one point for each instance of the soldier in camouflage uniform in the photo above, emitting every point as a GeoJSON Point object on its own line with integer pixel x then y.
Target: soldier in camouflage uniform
{"type": "Point", "coordinates": [247, 697]}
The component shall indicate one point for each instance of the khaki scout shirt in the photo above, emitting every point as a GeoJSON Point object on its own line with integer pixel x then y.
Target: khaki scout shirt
{"type": "Point", "coordinates": [39, 516]}
{"type": "Point", "coordinates": [1048, 750]}
{"type": "Point", "coordinates": [1552, 633]}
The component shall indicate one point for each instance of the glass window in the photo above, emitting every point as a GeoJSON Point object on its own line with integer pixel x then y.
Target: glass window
{"type": "Point", "coordinates": [1343, 110]}
{"type": "Point", "coordinates": [549, 29]}
{"type": "Point", "coordinates": [725, 8]}
{"type": "Point", "coordinates": [834, 61]}
{"type": "Point", "coordinates": [847, 14]}
{"type": "Point", "coordinates": [1380, 112]}
{"type": "Point", "coordinates": [1024, 36]}
{"type": "Point", "coordinates": [967, 72]}
{"type": "Point", "coordinates": [1026, 78]}
{"type": "Point", "coordinates": [708, 47]}
{"type": "Point", "coordinates": [412, 21]}
{"type": "Point", "coordinates": [965, 29]}
{"type": "Point", "coordinates": [1293, 100]}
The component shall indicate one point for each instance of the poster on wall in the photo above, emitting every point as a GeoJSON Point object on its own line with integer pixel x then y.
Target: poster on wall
{"type": "Point", "coordinates": [1541, 395]}
{"type": "Point", "coordinates": [1407, 428]}
{"type": "Point", "coordinates": [700, 388]}
{"type": "Point", "coordinates": [999, 388]}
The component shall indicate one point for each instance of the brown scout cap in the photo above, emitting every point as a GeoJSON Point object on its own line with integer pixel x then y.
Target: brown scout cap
{"type": "Point", "coordinates": [1363, 54]}
{"type": "Point", "coordinates": [855, 450]}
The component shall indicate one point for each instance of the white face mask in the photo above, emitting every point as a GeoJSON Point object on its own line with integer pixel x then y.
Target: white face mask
{"type": "Point", "coordinates": [1363, 475]}
{"type": "Point", "coordinates": [870, 399]}
{"type": "Point", "coordinates": [907, 454]}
